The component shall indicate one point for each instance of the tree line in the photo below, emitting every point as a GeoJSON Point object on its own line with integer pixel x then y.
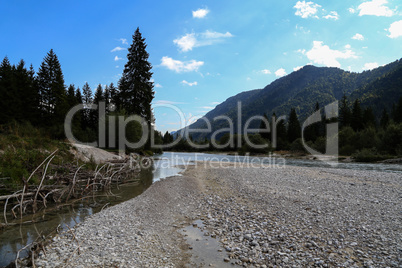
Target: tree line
{"type": "Point", "coordinates": [362, 133]}
{"type": "Point", "coordinates": [42, 99]}
{"type": "Point", "coordinates": [366, 136]}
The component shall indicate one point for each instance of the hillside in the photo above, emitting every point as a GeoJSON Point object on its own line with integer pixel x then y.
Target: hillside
{"type": "Point", "coordinates": [302, 89]}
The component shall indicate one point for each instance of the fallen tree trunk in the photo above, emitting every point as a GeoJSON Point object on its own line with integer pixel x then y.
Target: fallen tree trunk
{"type": "Point", "coordinates": [5, 197]}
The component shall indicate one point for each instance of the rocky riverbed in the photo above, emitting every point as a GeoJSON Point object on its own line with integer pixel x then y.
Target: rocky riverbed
{"type": "Point", "coordinates": [262, 217]}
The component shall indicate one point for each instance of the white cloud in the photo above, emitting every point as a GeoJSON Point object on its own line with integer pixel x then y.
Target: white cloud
{"type": "Point", "coordinates": [297, 68]}
{"type": "Point", "coordinates": [200, 13]}
{"type": "Point", "coordinates": [376, 8]}
{"type": "Point", "coordinates": [117, 58]}
{"type": "Point", "coordinates": [123, 41]}
{"type": "Point", "coordinates": [358, 37]}
{"type": "Point", "coordinates": [215, 103]}
{"type": "Point", "coordinates": [332, 15]}
{"type": "Point", "coordinates": [322, 54]}
{"type": "Point", "coordinates": [215, 35]}
{"type": "Point", "coordinates": [302, 29]}
{"type": "Point", "coordinates": [311, 9]}
{"type": "Point", "coordinates": [370, 65]}
{"type": "Point", "coordinates": [302, 51]}
{"type": "Point", "coordinates": [280, 72]}
{"type": "Point", "coordinates": [265, 71]}
{"type": "Point", "coordinates": [395, 29]}
{"type": "Point", "coordinates": [348, 46]}
{"type": "Point", "coordinates": [184, 82]}
{"type": "Point", "coordinates": [117, 49]}
{"type": "Point", "coordinates": [158, 85]}
{"type": "Point", "coordinates": [352, 10]}
{"type": "Point", "coordinates": [186, 43]}
{"type": "Point", "coordinates": [189, 41]}
{"type": "Point", "coordinates": [181, 66]}
{"type": "Point", "coordinates": [207, 107]}
{"type": "Point", "coordinates": [306, 9]}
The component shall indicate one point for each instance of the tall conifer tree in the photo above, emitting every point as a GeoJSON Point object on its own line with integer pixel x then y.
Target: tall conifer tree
{"type": "Point", "coordinates": [6, 93]}
{"type": "Point", "coordinates": [294, 128]}
{"type": "Point", "coordinates": [53, 95]}
{"type": "Point", "coordinates": [344, 112]}
{"type": "Point", "coordinates": [135, 85]}
{"type": "Point", "coordinates": [356, 117]}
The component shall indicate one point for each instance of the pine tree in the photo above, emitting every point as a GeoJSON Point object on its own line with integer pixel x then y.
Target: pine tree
{"type": "Point", "coordinates": [167, 138]}
{"type": "Point", "coordinates": [24, 102]}
{"type": "Point", "coordinates": [294, 128]}
{"type": "Point", "coordinates": [369, 118]}
{"type": "Point", "coordinates": [98, 94]}
{"type": "Point", "coordinates": [71, 98]}
{"type": "Point", "coordinates": [398, 112]}
{"type": "Point", "coordinates": [263, 127]}
{"type": "Point", "coordinates": [87, 101]}
{"type": "Point", "coordinates": [384, 121]}
{"type": "Point", "coordinates": [52, 90]}
{"type": "Point", "coordinates": [32, 98]}
{"type": "Point", "coordinates": [106, 97]}
{"type": "Point", "coordinates": [6, 92]}
{"type": "Point", "coordinates": [344, 112]}
{"type": "Point", "coordinates": [78, 96]}
{"type": "Point", "coordinates": [98, 97]}
{"type": "Point", "coordinates": [136, 88]}
{"type": "Point", "coordinates": [81, 115]}
{"type": "Point", "coordinates": [356, 118]}
{"type": "Point", "coordinates": [312, 132]}
{"type": "Point", "coordinates": [281, 133]}
{"type": "Point", "coordinates": [87, 94]}
{"type": "Point", "coordinates": [114, 97]}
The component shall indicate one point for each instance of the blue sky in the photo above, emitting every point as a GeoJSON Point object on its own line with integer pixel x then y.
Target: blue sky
{"type": "Point", "coordinates": [202, 52]}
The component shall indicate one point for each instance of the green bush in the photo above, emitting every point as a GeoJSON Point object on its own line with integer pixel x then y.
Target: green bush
{"type": "Point", "coordinates": [297, 146]}
{"type": "Point", "coordinates": [392, 140]}
{"type": "Point", "coordinates": [368, 155]}
{"type": "Point", "coordinates": [255, 139]}
{"type": "Point", "coordinates": [368, 138]}
{"type": "Point", "coordinates": [347, 149]}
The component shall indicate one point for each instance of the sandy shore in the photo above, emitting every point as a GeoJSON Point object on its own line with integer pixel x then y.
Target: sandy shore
{"type": "Point", "coordinates": [262, 217]}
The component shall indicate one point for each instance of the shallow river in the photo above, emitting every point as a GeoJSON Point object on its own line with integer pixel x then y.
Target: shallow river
{"type": "Point", "coordinates": [168, 164]}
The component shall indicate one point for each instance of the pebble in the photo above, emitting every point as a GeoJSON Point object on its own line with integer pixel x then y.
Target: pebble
{"type": "Point", "coordinates": [258, 214]}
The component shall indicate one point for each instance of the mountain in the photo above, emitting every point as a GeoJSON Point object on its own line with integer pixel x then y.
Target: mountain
{"type": "Point", "coordinates": [302, 89]}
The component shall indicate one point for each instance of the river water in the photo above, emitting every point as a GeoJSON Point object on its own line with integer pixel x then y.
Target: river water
{"type": "Point", "coordinates": [168, 164]}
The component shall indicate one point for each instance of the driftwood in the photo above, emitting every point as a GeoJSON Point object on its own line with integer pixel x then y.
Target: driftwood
{"type": "Point", "coordinates": [76, 183]}
{"type": "Point", "coordinates": [26, 182]}
{"type": "Point", "coordinates": [5, 197]}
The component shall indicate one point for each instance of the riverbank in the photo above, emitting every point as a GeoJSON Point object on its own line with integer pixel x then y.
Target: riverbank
{"type": "Point", "coordinates": [293, 216]}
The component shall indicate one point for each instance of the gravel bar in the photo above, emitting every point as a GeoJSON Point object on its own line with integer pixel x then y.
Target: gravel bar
{"type": "Point", "coordinates": [262, 216]}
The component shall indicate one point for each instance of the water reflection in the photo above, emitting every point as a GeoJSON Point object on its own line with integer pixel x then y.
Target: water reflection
{"type": "Point", "coordinates": [169, 164]}
{"type": "Point", "coordinates": [14, 238]}
{"type": "Point", "coordinates": [180, 159]}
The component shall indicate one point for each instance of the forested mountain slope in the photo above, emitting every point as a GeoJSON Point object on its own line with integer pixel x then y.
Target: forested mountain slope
{"type": "Point", "coordinates": [302, 89]}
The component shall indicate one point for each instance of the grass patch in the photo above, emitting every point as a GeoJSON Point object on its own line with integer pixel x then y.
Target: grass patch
{"type": "Point", "coordinates": [22, 148]}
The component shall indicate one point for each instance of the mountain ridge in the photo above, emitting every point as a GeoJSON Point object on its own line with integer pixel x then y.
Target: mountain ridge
{"type": "Point", "coordinates": [302, 89]}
